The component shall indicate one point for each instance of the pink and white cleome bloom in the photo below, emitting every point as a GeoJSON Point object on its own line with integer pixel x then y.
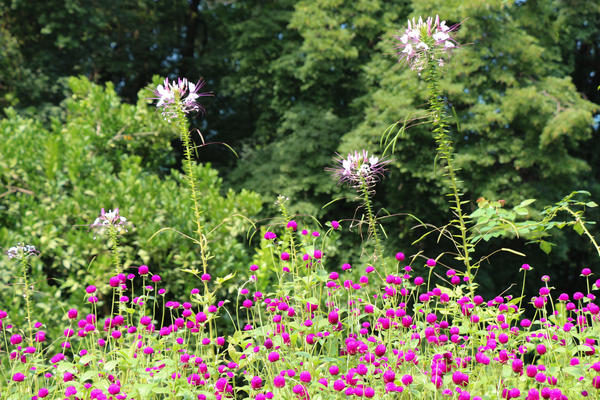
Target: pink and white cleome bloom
{"type": "Point", "coordinates": [359, 168]}
{"type": "Point", "coordinates": [109, 219]}
{"type": "Point", "coordinates": [21, 251]}
{"type": "Point", "coordinates": [425, 40]}
{"type": "Point", "coordinates": [183, 94]}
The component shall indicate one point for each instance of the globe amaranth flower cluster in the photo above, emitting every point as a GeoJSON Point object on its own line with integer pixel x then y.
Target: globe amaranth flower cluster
{"type": "Point", "coordinates": [110, 219]}
{"type": "Point", "coordinates": [181, 94]}
{"type": "Point", "coordinates": [359, 168]}
{"type": "Point", "coordinates": [21, 251]}
{"type": "Point", "coordinates": [423, 40]}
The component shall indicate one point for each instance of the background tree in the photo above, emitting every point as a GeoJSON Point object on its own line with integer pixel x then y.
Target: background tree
{"type": "Point", "coordinates": [296, 81]}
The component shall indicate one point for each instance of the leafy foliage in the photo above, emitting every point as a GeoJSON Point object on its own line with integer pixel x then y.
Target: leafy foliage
{"type": "Point", "coordinates": [286, 73]}
{"type": "Point", "coordinates": [103, 153]}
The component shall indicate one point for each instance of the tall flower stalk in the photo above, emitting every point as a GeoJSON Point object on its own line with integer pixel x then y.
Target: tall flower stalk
{"type": "Point", "coordinates": [424, 46]}
{"type": "Point", "coordinates": [114, 224]}
{"type": "Point", "coordinates": [176, 99]}
{"type": "Point", "coordinates": [362, 172]}
{"type": "Point", "coordinates": [21, 253]}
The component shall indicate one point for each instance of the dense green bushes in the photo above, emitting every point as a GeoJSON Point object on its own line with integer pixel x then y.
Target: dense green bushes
{"type": "Point", "coordinates": [103, 153]}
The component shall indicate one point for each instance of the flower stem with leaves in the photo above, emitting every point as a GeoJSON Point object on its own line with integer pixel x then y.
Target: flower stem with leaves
{"type": "Point", "coordinates": [445, 151]}
{"type": "Point", "coordinates": [177, 99]}
{"type": "Point", "coordinates": [362, 172]}
{"type": "Point", "coordinates": [424, 46]}
{"type": "Point", "coordinates": [22, 253]}
{"type": "Point", "coordinates": [364, 188]}
{"type": "Point", "coordinates": [26, 295]}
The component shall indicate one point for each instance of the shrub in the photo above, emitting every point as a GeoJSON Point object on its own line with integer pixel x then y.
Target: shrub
{"type": "Point", "coordinates": [100, 153]}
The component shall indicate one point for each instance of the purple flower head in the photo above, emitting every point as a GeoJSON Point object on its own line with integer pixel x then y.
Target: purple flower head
{"type": "Point", "coordinates": [425, 40]}
{"type": "Point", "coordinates": [18, 377]}
{"type": "Point", "coordinates": [21, 251]}
{"type": "Point", "coordinates": [181, 94]}
{"type": "Point", "coordinates": [70, 391]}
{"type": "Point", "coordinates": [359, 168]}
{"type": "Point", "coordinates": [110, 219]}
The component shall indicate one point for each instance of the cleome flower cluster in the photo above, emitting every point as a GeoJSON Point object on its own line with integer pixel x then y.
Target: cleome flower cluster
{"type": "Point", "coordinates": [359, 169]}
{"type": "Point", "coordinates": [21, 251]}
{"type": "Point", "coordinates": [425, 40]}
{"type": "Point", "coordinates": [108, 220]}
{"type": "Point", "coordinates": [180, 95]}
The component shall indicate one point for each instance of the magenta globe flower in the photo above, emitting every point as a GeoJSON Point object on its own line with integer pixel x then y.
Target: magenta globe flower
{"type": "Point", "coordinates": [70, 391]}
{"type": "Point", "coordinates": [407, 380]}
{"type": "Point", "coordinates": [279, 381]}
{"type": "Point", "coordinates": [273, 356]}
{"type": "Point", "coordinates": [18, 377]}
{"type": "Point", "coordinates": [114, 389]}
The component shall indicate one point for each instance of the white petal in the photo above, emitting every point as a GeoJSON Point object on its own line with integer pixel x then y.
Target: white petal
{"type": "Point", "coordinates": [440, 36]}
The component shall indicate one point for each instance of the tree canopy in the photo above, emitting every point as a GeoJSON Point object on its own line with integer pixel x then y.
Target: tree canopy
{"type": "Point", "coordinates": [297, 81]}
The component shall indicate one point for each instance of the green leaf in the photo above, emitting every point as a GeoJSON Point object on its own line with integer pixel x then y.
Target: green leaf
{"type": "Point", "coordinates": [109, 366]}
{"type": "Point", "coordinates": [143, 389]}
{"type": "Point", "coordinates": [88, 375]}
{"type": "Point", "coordinates": [578, 227]}
{"type": "Point", "coordinates": [86, 359]}
{"type": "Point", "coordinates": [525, 203]}
{"type": "Point", "coordinates": [545, 246]}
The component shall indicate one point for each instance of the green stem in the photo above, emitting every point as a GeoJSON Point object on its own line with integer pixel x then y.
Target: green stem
{"type": "Point", "coordinates": [26, 296]}
{"type": "Point", "coordinates": [114, 239]}
{"type": "Point", "coordinates": [445, 152]}
{"type": "Point", "coordinates": [189, 166]}
{"type": "Point", "coordinates": [522, 288]}
{"type": "Point", "coordinates": [370, 217]}
{"type": "Point", "coordinates": [286, 216]}
{"type": "Point", "coordinates": [579, 221]}
{"type": "Point", "coordinates": [114, 248]}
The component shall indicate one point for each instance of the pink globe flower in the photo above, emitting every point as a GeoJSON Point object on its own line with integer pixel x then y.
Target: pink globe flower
{"type": "Point", "coordinates": [293, 225]}
{"type": "Point", "coordinates": [114, 389]}
{"type": "Point", "coordinates": [18, 377]}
